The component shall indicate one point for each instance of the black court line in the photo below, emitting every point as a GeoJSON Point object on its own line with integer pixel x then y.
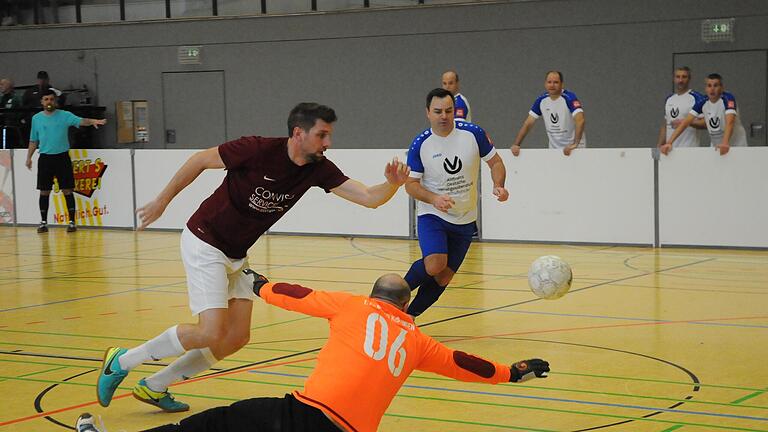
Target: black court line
{"type": "Point", "coordinates": [39, 400]}
{"type": "Point", "coordinates": [694, 379]}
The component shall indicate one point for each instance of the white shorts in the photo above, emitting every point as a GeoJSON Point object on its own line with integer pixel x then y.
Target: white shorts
{"type": "Point", "coordinates": [212, 277]}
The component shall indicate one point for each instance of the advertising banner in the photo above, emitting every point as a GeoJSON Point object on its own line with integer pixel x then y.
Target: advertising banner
{"type": "Point", "coordinates": [103, 190]}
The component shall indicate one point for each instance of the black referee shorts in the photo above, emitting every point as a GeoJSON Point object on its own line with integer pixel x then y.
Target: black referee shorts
{"type": "Point", "coordinates": [55, 165]}
{"type": "Point", "coordinates": [284, 414]}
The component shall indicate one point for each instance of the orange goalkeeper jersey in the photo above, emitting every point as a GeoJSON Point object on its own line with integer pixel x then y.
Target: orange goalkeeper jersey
{"type": "Point", "coordinates": [372, 348]}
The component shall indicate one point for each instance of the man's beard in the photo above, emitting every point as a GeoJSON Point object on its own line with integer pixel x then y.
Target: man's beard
{"type": "Point", "coordinates": [314, 157]}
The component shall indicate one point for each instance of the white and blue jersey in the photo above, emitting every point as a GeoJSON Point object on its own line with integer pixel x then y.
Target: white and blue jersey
{"type": "Point", "coordinates": [558, 118]}
{"type": "Point", "coordinates": [450, 166]}
{"type": "Point", "coordinates": [461, 108]}
{"type": "Point", "coordinates": [677, 107]}
{"type": "Point", "coordinates": [714, 116]}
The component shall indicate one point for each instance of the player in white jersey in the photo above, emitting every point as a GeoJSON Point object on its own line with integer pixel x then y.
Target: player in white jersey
{"type": "Point", "coordinates": [720, 116]}
{"type": "Point", "coordinates": [676, 108]}
{"type": "Point", "coordinates": [461, 110]}
{"type": "Point", "coordinates": [563, 117]}
{"type": "Point", "coordinates": [445, 162]}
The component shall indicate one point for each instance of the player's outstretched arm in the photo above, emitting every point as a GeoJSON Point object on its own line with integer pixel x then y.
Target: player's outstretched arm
{"type": "Point", "coordinates": [196, 164]}
{"type": "Point", "coordinates": [524, 129]}
{"type": "Point", "coordinates": [297, 298]}
{"type": "Point", "coordinates": [459, 365]}
{"type": "Point", "coordinates": [93, 122]}
{"type": "Point", "coordinates": [352, 190]}
{"type": "Point", "coordinates": [680, 128]}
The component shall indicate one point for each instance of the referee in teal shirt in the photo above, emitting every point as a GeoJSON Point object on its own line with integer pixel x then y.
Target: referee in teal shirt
{"type": "Point", "coordinates": [50, 129]}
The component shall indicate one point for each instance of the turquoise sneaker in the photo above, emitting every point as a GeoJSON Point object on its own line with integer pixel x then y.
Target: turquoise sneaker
{"type": "Point", "coordinates": [162, 400]}
{"type": "Point", "coordinates": [111, 375]}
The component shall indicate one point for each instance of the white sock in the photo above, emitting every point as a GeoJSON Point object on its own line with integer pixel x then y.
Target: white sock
{"type": "Point", "coordinates": [167, 344]}
{"type": "Point", "coordinates": [186, 366]}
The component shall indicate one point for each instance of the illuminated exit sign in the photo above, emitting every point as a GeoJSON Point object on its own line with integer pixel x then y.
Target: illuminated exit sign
{"type": "Point", "coordinates": [190, 55]}
{"type": "Point", "coordinates": [718, 30]}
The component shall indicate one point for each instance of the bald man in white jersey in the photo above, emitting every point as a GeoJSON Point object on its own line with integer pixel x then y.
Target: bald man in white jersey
{"type": "Point", "coordinates": [563, 117]}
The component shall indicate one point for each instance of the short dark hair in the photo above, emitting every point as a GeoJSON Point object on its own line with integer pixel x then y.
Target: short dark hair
{"type": "Point", "coordinates": [47, 92]}
{"type": "Point", "coordinates": [560, 74]}
{"type": "Point", "coordinates": [438, 93]}
{"type": "Point", "coordinates": [305, 115]}
{"type": "Point", "coordinates": [716, 76]}
{"type": "Point", "coordinates": [42, 75]}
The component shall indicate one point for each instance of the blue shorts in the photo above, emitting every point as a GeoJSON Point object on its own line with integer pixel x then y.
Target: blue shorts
{"type": "Point", "coordinates": [436, 236]}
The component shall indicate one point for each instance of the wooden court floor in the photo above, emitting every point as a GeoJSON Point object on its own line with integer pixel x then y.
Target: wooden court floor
{"type": "Point", "coordinates": [647, 340]}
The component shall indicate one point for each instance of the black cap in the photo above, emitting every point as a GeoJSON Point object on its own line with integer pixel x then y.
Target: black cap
{"type": "Point", "coordinates": [42, 75]}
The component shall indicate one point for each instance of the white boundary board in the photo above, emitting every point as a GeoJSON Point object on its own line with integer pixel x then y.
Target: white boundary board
{"type": "Point", "coordinates": [593, 195]}
{"type": "Point", "coordinates": [710, 200]}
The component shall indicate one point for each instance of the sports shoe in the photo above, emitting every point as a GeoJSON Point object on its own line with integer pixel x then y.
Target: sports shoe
{"type": "Point", "coordinates": [111, 375]}
{"type": "Point", "coordinates": [162, 400]}
{"type": "Point", "coordinates": [43, 228]}
{"type": "Point", "coordinates": [86, 423]}
{"type": "Point", "coordinates": [71, 227]}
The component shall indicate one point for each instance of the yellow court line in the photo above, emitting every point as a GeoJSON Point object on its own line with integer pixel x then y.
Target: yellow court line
{"type": "Point", "coordinates": [94, 208]}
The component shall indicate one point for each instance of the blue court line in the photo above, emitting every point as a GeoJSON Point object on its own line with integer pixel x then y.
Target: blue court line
{"type": "Point", "coordinates": [88, 297]}
{"type": "Point", "coordinates": [699, 322]}
{"type": "Point", "coordinates": [575, 401]}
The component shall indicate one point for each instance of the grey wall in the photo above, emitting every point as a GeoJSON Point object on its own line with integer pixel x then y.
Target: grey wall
{"type": "Point", "coordinates": [375, 66]}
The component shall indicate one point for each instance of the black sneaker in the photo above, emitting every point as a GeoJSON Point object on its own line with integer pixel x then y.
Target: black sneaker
{"type": "Point", "coordinates": [43, 228]}
{"type": "Point", "coordinates": [71, 227]}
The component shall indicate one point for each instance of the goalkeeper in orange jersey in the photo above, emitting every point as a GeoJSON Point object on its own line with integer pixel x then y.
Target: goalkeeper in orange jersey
{"type": "Point", "coordinates": [372, 349]}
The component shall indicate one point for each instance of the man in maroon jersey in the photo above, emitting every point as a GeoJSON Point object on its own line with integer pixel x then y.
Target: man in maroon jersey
{"type": "Point", "coordinates": [265, 178]}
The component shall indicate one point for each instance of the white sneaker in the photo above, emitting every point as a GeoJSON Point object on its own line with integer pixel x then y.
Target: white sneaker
{"type": "Point", "coordinates": [87, 423]}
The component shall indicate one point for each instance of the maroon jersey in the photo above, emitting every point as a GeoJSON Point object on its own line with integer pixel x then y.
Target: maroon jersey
{"type": "Point", "coordinates": [262, 183]}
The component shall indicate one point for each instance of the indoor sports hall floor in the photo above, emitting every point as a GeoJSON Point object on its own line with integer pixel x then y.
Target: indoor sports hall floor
{"type": "Point", "coordinates": [647, 340]}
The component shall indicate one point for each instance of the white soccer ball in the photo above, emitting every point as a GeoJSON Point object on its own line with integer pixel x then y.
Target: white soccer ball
{"type": "Point", "coordinates": [550, 277]}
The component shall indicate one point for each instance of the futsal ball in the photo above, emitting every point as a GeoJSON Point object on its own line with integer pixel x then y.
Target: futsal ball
{"type": "Point", "coordinates": [550, 277]}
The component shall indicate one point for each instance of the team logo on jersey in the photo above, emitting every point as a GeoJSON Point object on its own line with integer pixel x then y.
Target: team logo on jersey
{"type": "Point", "coordinates": [714, 122]}
{"type": "Point", "coordinates": [264, 200]}
{"type": "Point", "coordinates": [452, 167]}
{"type": "Point", "coordinates": [554, 117]}
{"type": "Point", "coordinates": [731, 104]}
{"type": "Point", "coordinates": [576, 104]}
{"type": "Point", "coordinates": [460, 112]}
{"type": "Point", "coordinates": [674, 112]}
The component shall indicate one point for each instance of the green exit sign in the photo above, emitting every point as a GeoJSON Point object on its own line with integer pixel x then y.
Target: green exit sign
{"type": "Point", "coordinates": [190, 54]}
{"type": "Point", "coordinates": [718, 30]}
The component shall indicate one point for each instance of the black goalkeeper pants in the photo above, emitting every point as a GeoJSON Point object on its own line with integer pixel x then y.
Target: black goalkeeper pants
{"type": "Point", "coordinates": [284, 414]}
